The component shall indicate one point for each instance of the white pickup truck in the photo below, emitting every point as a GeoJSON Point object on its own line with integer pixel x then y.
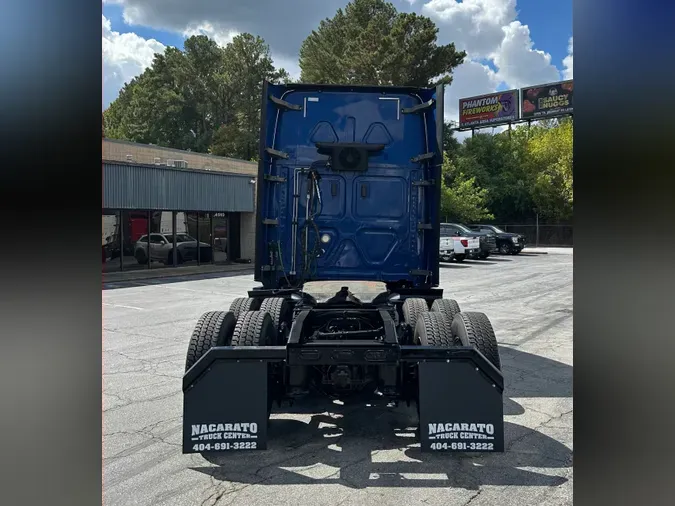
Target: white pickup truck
{"type": "Point", "coordinates": [462, 246]}
{"type": "Point", "coordinates": [447, 249]}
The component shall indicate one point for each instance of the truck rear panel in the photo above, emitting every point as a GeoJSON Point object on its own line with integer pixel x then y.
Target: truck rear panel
{"type": "Point", "coordinates": [377, 224]}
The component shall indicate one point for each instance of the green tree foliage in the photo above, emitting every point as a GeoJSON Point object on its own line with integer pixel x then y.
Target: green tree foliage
{"type": "Point", "coordinates": [525, 172]}
{"type": "Point", "coordinates": [205, 98]}
{"type": "Point", "coordinates": [369, 42]}
{"type": "Point", "coordinates": [461, 199]}
{"type": "Point", "coordinates": [496, 161]}
{"type": "Point", "coordinates": [550, 164]}
{"type": "Point", "coordinates": [450, 143]}
{"type": "Point", "coordinates": [247, 63]}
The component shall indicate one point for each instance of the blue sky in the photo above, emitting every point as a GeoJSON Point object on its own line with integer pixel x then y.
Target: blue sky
{"type": "Point", "coordinates": [115, 14]}
{"type": "Point", "coordinates": [511, 43]}
{"type": "Point", "coordinates": [550, 25]}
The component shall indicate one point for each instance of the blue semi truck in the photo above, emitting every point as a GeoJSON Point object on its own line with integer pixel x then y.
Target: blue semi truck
{"type": "Point", "coordinates": [348, 301]}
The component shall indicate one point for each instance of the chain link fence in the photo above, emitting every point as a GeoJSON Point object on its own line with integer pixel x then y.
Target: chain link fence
{"type": "Point", "coordinates": [543, 235]}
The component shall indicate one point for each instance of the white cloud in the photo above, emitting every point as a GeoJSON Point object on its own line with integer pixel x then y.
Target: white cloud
{"type": "Point", "coordinates": [488, 29]}
{"type": "Point", "coordinates": [518, 63]}
{"type": "Point", "coordinates": [475, 26]}
{"type": "Point", "coordinates": [290, 64]}
{"type": "Point", "coordinates": [283, 25]}
{"type": "Point", "coordinates": [469, 79]}
{"type": "Point", "coordinates": [568, 61]}
{"type": "Point", "coordinates": [222, 37]}
{"type": "Point", "coordinates": [125, 55]}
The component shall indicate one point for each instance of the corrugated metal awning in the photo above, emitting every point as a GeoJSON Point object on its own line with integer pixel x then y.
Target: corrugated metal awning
{"type": "Point", "coordinates": [134, 186]}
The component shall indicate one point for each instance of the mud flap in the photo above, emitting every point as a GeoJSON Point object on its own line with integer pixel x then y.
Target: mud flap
{"type": "Point", "coordinates": [225, 400]}
{"type": "Point", "coordinates": [460, 401]}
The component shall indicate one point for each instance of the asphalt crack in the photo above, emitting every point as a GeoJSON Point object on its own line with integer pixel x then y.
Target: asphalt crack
{"type": "Point", "coordinates": [475, 496]}
{"type": "Point", "coordinates": [536, 429]}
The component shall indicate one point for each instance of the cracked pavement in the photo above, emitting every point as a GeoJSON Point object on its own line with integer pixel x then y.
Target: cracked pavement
{"type": "Point", "coordinates": [342, 454]}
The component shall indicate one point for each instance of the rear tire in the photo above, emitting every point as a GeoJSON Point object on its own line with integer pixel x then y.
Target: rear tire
{"type": "Point", "coordinates": [505, 249]}
{"type": "Point", "coordinates": [214, 328]}
{"type": "Point", "coordinates": [242, 304]}
{"type": "Point", "coordinates": [412, 309]}
{"type": "Point", "coordinates": [448, 307]}
{"type": "Point", "coordinates": [474, 329]}
{"type": "Point", "coordinates": [460, 258]}
{"type": "Point", "coordinates": [141, 257]}
{"type": "Point", "coordinates": [254, 328]}
{"type": "Point", "coordinates": [281, 311]}
{"type": "Point", "coordinates": [434, 329]}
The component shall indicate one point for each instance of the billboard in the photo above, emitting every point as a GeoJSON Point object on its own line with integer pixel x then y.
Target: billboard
{"type": "Point", "coordinates": [547, 100]}
{"type": "Point", "coordinates": [488, 110]}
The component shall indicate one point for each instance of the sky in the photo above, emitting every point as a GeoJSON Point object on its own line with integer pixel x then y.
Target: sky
{"type": "Point", "coordinates": [509, 43]}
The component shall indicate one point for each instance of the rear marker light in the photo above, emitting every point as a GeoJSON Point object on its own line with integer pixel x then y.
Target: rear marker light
{"type": "Point", "coordinates": [464, 242]}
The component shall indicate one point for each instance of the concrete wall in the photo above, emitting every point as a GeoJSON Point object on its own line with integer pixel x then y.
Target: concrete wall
{"type": "Point", "coordinates": [131, 152]}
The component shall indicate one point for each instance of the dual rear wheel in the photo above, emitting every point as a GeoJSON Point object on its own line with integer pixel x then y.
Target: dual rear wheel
{"type": "Point", "coordinates": [446, 326]}
{"type": "Point", "coordinates": [247, 323]}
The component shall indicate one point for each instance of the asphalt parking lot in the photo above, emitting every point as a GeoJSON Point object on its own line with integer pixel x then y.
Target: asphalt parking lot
{"type": "Point", "coordinates": [341, 455]}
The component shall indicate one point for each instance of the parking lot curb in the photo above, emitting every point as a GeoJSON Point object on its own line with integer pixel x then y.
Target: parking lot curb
{"type": "Point", "coordinates": [113, 277]}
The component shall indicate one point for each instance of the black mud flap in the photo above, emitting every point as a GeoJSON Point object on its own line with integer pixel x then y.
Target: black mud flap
{"type": "Point", "coordinates": [460, 400]}
{"type": "Point", "coordinates": [225, 399]}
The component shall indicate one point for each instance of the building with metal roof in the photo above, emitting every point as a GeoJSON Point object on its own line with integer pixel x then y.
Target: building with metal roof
{"type": "Point", "coordinates": [164, 207]}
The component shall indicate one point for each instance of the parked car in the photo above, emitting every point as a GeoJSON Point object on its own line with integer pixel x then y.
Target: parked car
{"type": "Point", "coordinates": [161, 249]}
{"type": "Point", "coordinates": [508, 243]}
{"type": "Point", "coordinates": [465, 244]}
{"type": "Point", "coordinates": [487, 241]}
{"type": "Point", "coordinates": [447, 249]}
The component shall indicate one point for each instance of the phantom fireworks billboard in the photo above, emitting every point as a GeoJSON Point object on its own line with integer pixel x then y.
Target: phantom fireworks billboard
{"type": "Point", "coordinates": [488, 110]}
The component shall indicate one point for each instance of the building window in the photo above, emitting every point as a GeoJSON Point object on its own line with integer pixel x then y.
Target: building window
{"type": "Point", "coordinates": [161, 239]}
{"type": "Point", "coordinates": [205, 239]}
{"type": "Point", "coordinates": [136, 240]}
{"type": "Point", "coordinates": [110, 241]}
{"type": "Point", "coordinates": [186, 238]}
{"type": "Point", "coordinates": [220, 234]}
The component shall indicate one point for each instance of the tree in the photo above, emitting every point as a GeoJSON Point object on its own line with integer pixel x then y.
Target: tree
{"type": "Point", "coordinates": [526, 171]}
{"type": "Point", "coordinates": [205, 98]}
{"type": "Point", "coordinates": [371, 43]}
{"type": "Point", "coordinates": [450, 143]}
{"type": "Point", "coordinates": [461, 199]}
{"type": "Point", "coordinates": [550, 163]}
{"type": "Point", "coordinates": [175, 102]}
{"type": "Point", "coordinates": [248, 63]}
{"type": "Point", "coordinates": [497, 164]}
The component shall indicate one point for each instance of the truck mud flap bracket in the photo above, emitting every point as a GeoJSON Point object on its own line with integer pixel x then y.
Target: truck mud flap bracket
{"type": "Point", "coordinates": [225, 399]}
{"type": "Point", "coordinates": [460, 400]}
